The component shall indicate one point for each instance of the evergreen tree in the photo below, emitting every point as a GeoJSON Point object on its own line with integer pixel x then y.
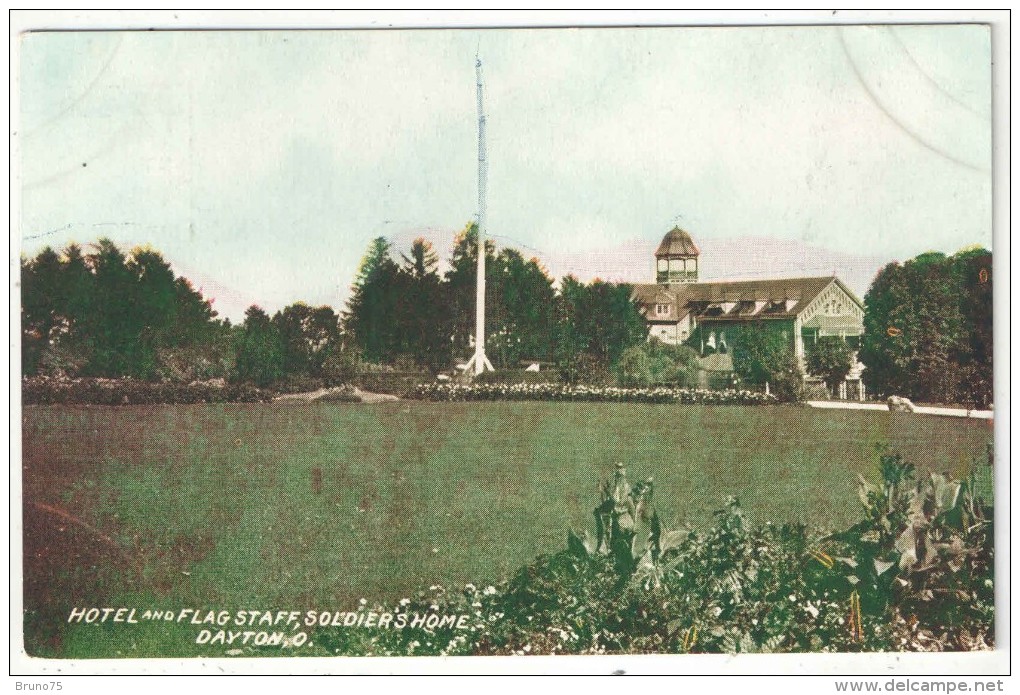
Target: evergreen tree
{"type": "Point", "coordinates": [596, 324]}
{"type": "Point", "coordinates": [113, 322]}
{"type": "Point", "coordinates": [461, 286]}
{"type": "Point", "coordinates": [260, 351]}
{"type": "Point", "coordinates": [372, 319]}
{"type": "Point", "coordinates": [426, 316]}
{"type": "Point", "coordinates": [522, 314]}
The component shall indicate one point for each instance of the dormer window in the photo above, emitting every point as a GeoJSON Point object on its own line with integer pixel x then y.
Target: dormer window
{"type": "Point", "coordinates": [662, 309]}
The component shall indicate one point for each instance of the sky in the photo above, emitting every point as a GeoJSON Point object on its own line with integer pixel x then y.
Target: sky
{"type": "Point", "coordinates": [261, 164]}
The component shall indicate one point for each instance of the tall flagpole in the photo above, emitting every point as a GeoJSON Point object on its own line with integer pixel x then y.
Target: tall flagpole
{"type": "Point", "coordinates": [479, 362]}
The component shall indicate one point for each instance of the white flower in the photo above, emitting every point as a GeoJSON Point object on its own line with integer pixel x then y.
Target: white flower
{"type": "Point", "coordinates": [362, 601]}
{"type": "Point", "coordinates": [489, 590]}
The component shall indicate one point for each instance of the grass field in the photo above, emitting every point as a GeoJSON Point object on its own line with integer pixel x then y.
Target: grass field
{"type": "Point", "coordinates": [222, 506]}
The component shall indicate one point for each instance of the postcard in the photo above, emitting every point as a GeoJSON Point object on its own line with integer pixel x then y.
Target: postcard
{"type": "Point", "coordinates": [506, 342]}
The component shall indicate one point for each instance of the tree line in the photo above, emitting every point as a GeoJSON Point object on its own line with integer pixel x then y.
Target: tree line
{"type": "Point", "coordinates": [409, 312]}
{"type": "Point", "coordinates": [107, 313]}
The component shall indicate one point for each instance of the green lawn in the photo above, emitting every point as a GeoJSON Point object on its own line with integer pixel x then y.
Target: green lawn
{"type": "Point", "coordinates": [217, 506]}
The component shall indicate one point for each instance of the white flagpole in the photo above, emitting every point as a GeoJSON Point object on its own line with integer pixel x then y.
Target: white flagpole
{"type": "Point", "coordinates": [479, 362]}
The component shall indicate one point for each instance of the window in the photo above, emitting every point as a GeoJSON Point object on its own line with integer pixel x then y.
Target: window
{"type": "Point", "coordinates": [676, 264]}
{"type": "Point", "coordinates": [663, 264]}
{"type": "Point", "coordinates": [662, 309]}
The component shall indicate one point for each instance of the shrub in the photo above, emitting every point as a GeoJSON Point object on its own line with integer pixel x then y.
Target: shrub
{"type": "Point", "coordinates": [654, 363]}
{"type": "Point", "coordinates": [585, 368]}
{"type": "Point", "coordinates": [634, 367]}
{"type": "Point", "coordinates": [516, 376]}
{"type": "Point", "coordinates": [341, 368]}
{"type": "Point", "coordinates": [787, 379]}
{"type": "Point", "coordinates": [97, 391]}
{"type": "Point", "coordinates": [924, 552]}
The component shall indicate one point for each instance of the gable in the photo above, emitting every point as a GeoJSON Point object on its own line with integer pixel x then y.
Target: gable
{"type": "Point", "coordinates": [834, 300]}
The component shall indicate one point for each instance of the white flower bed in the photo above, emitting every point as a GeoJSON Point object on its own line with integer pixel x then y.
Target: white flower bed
{"type": "Point", "coordinates": [599, 394]}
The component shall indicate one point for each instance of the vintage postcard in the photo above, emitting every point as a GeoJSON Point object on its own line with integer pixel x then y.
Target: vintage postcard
{"type": "Point", "coordinates": [507, 342]}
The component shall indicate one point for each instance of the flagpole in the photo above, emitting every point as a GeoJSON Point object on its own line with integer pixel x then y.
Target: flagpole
{"type": "Point", "coordinates": [479, 362]}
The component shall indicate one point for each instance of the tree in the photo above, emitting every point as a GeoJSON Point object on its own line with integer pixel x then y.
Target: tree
{"type": "Point", "coordinates": [928, 328]}
{"type": "Point", "coordinates": [308, 336]}
{"type": "Point", "coordinates": [521, 310]}
{"type": "Point", "coordinates": [461, 283]}
{"type": "Point", "coordinates": [422, 261]}
{"type": "Point", "coordinates": [260, 351]}
{"type": "Point", "coordinates": [762, 355]}
{"type": "Point", "coordinates": [373, 311]}
{"type": "Point", "coordinates": [59, 312]}
{"type": "Point", "coordinates": [831, 359]}
{"type": "Point", "coordinates": [634, 367]}
{"type": "Point", "coordinates": [596, 323]}
{"type": "Point", "coordinates": [973, 272]}
{"type": "Point", "coordinates": [425, 315]}
{"type": "Point", "coordinates": [519, 302]}
{"type": "Point", "coordinates": [42, 306]}
{"type": "Point", "coordinates": [113, 323]}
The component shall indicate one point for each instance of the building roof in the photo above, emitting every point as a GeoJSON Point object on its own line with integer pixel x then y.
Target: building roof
{"type": "Point", "coordinates": [677, 242]}
{"type": "Point", "coordinates": [742, 299]}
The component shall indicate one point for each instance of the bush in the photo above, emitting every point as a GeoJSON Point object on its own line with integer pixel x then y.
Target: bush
{"type": "Point", "coordinates": [585, 368]}
{"type": "Point", "coordinates": [516, 376]}
{"type": "Point", "coordinates": [97, 391]}
{"type": "Point", "coordinates": [391, 382]}
{"type": "Point", "coordinates": [634, 367]}
{"type": "Point", "coordinates": [654, 363]}
{"type": "Point", "coordinates": [340, 368]}
{"type": "Point", "coordinates": [787, 379]}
